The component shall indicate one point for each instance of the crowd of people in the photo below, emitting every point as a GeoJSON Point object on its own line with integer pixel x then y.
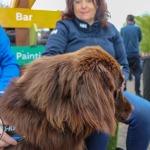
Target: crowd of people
{"type": "Point", "coordinates": [85, 23]}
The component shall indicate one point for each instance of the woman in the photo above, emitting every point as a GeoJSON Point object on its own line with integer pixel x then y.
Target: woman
{"type": "Point", "coordinates": [84, 23]}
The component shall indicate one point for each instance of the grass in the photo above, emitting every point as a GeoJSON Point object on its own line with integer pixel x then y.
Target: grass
{"type": "Point", "coordinates": [112, 144]}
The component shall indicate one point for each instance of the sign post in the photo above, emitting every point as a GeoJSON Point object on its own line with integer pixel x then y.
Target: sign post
{"type": "Point", "coordinates": [22, 35]}
{"type": "Point", "coordinates": [25, 18]}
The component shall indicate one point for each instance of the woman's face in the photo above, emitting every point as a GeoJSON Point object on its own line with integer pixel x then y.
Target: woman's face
{"type": "Point", "coordinates": [85, 10]}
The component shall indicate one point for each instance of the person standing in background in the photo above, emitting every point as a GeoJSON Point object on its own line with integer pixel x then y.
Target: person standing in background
{"type": "Point", "coordinates": [9, 69]}
{"type": "Point", "coordinates": [132, 36]}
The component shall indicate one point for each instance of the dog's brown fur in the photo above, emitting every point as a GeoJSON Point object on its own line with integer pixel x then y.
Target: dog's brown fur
{"type": "Point", "coordinates": [62, 99]}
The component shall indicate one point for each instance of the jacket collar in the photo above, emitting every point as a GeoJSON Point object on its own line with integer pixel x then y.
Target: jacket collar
{"type": "Point", "coordinates": [82, 25]}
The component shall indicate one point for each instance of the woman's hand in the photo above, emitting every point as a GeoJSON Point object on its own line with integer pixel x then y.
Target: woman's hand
{"type": "Point", "coordinates": [5, 139]}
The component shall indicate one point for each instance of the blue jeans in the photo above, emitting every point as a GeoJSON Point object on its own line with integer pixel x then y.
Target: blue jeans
{"type": "Point", "coordinates": [138, 136]}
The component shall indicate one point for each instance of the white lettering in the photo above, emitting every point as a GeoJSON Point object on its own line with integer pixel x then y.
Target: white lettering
{"type": "Point", "coordinates": [25, 17]}
{"type": "Point", "coordinates": [19, 55]}
{"type": "Point", "coordinates": [82, 25]}
{"type": "Point", "coordinates": [54, 31]}
{"type": "Point", "coordinates": [30, 17]}
{"type": "Point", "coordinates": [28, 56]}
{"type": "Point", "coordinates": [20, 16]}
{"type": "Point", "coordinates": [8, 128]}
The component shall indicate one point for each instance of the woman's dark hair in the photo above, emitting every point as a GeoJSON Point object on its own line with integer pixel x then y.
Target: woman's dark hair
{"type": "Point", "coordinates": [102, 13]}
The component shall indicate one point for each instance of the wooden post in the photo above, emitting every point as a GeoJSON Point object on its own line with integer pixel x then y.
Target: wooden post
{"type": "Point", "coordinates": [22, 34]}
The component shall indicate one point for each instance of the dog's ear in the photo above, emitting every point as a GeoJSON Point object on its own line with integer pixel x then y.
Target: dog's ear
{"type": "Point", "coordinates": [123, 106]}
{"type": "Point", "coordinates": [91, 95]}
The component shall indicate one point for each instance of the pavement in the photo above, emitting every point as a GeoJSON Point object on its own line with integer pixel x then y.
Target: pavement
{"type": "Point", "coordinates": [122, 131]}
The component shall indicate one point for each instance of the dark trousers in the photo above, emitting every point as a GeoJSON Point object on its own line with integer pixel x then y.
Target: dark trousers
{"type": "Point", "coordinates": [135, 67]}
{"type": "Point", "coordinates": [146, 78]}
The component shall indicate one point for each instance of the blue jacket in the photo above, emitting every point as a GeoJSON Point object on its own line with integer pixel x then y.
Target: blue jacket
{"type": "Point", "coordinates": [132, 36]}
{"type": "Point", "coordinates": [8, 64]}
{"type": "Point", "coordinates": [69, 36]}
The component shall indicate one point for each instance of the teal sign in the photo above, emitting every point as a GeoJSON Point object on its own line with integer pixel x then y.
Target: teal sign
{"type": "Point", "coordinates": [26, 54]}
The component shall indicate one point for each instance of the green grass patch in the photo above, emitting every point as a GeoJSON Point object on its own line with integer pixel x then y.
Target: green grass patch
{"type": "Point", "coordinates": [112, 144]}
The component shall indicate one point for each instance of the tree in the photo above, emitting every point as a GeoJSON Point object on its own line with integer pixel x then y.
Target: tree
{"type": "Point", "coordinates": [4, 3]}
{"type": "Point", "coordinates": [144, 23]}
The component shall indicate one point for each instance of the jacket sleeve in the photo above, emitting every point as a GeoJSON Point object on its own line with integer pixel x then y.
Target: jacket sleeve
{"type": "Point", "coordinates": [121, 54]}
{"type": "Point", "coordinates": [57, 41]}
{"type": "Point", "coordinates": [8, 64]}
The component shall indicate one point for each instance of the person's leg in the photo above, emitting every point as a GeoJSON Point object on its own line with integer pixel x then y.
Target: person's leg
{"type": "Point", "coordinates": [130, 75]}
{"type": "Point", "coordinates": [135, 64]}
{"type": "Point", "coordinates": [146, 78]}
{"type": "Point", "coordinates": [97, 141]}
{"type": "Point", "coordinates": [138, 136]}
{"type": "Point", "coordinates": [137, 83]}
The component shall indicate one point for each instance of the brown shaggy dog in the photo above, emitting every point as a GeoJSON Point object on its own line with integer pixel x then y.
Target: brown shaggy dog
{"type": "Point", "coordinates": [62, 99]}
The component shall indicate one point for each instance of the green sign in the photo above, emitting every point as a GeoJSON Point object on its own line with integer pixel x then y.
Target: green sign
{"type": "Point", "coordinates": [26, 54]}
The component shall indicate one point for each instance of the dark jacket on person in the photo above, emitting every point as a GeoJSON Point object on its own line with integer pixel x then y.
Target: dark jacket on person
{"type": "Point", "coordinates": [8, 64]}
{"type": "Point", "coordinates": [132, 36]}
{"type": "Point", "coordinates": [69, 36]}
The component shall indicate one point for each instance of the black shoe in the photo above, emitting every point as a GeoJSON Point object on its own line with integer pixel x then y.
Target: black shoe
{"type": "Point", "coordinates": [118, 148]}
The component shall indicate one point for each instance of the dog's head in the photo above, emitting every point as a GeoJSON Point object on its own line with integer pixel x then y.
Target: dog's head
{"type": "Point", "coordinates": [78, 92]}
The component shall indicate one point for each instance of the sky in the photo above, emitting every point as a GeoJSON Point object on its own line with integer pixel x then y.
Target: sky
{"type": "Point", "coordinates": [118, 9]}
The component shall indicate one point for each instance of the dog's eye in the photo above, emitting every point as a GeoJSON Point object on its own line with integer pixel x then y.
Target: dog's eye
{"type": "Point", "coordinates": [115, 94]}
